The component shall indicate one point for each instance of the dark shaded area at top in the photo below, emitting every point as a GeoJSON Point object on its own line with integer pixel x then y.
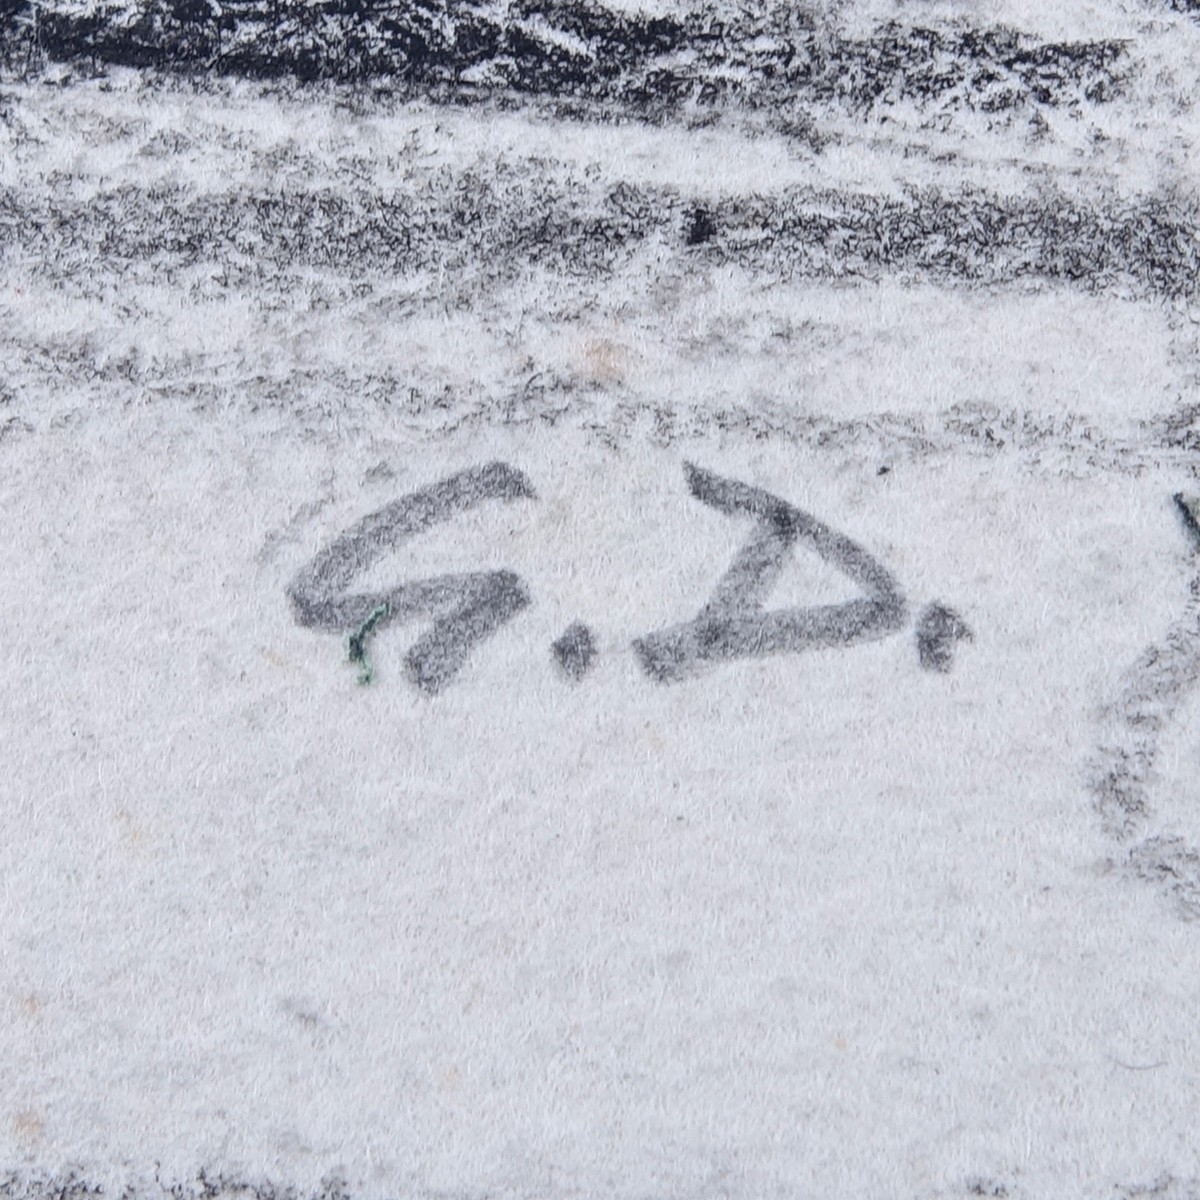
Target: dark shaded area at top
{"type": "Point", "coordinates": [567, 49]}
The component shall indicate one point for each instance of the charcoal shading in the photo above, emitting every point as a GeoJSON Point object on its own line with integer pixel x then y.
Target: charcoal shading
{"type": "Point", "coordinates": [464, 608]}
{"type": "Point", "coordinates": [575, 650]}
{"type": "Point", "coordinates": [700, 227]}
{"type": "Point", "coordinates": [733, 623]}
{"type": "Point", "coordinates": [582, 58]}
{"type": "Point", "coordinates": [1154, 690]}
{"type": "Point", "coordinates": [215, 1183]}
{"type": "Point", "coordinates": [526, 219]}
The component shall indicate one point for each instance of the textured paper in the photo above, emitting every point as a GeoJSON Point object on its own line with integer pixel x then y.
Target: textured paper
{"type": "Point", "coordinates": [599, 602]}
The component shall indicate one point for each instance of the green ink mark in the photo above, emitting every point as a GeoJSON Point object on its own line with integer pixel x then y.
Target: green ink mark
{"type": "Point", "coordinates": [356, 645]}
{"type": "Point", "coordinates": [1189, 508]}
